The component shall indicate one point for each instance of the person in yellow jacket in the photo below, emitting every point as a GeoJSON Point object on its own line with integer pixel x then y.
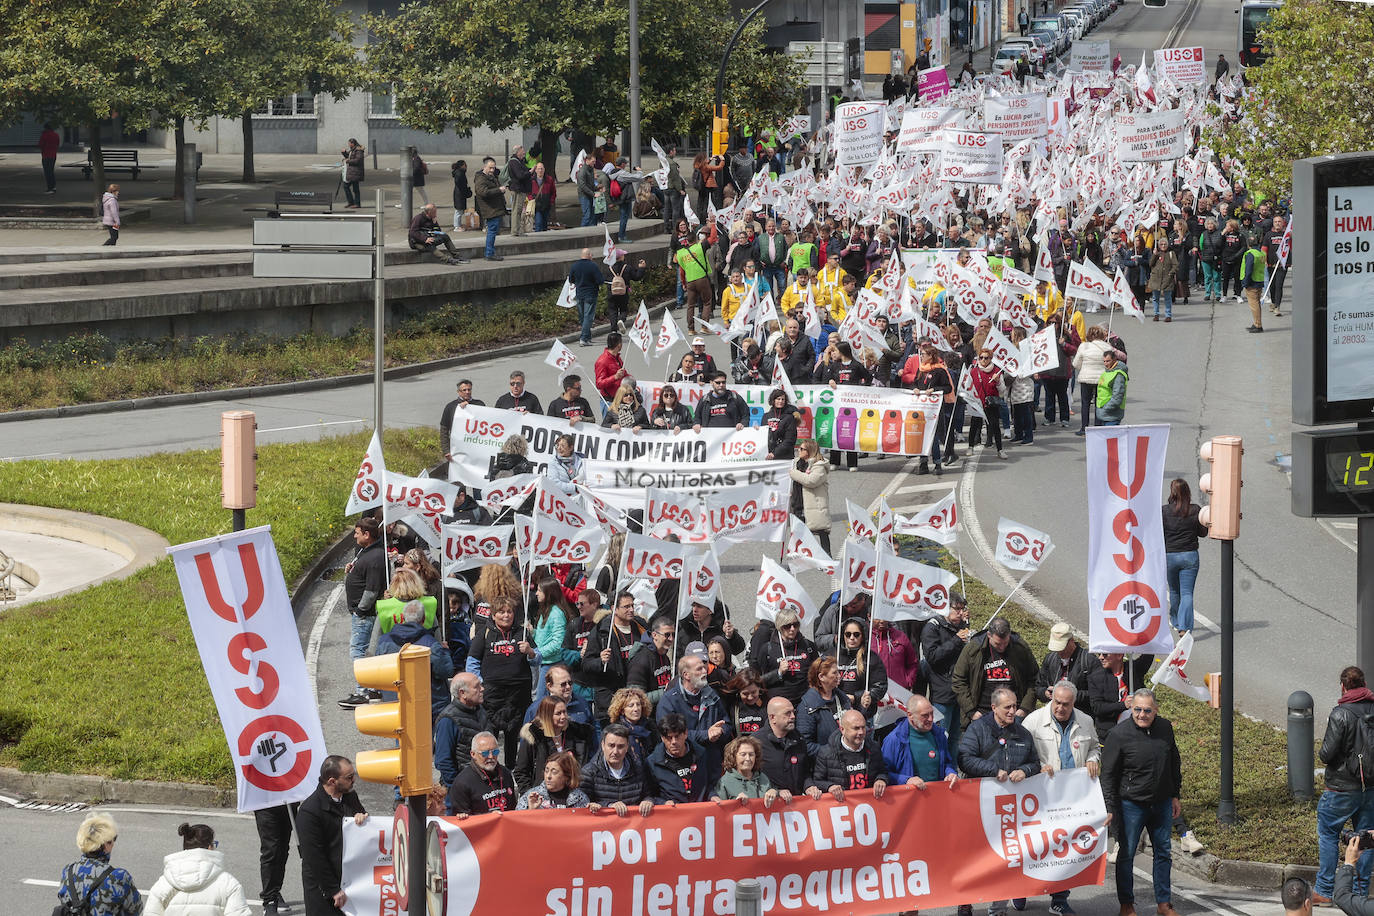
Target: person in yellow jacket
{"type": "Point", "coordinates": [1045, 301]}
{"type": "Point", "coordinates": [933, 301]}
{"type": "Point", "coordinates": [876, 275]}
{"type": "Point", "coordinates": [842, 299]}
{"type": "Point", "coordinates": [829, 278]}
{"type": "Point", "coordinates": [732, 296]}
{"type": "Point", "coordinates": [800, 291]}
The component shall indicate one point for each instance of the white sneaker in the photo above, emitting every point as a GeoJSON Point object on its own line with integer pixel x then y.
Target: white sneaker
{"type": "Point", "coordinates": [1001, 454]}
{"type": "Point", "coordinates": [1190, 843]}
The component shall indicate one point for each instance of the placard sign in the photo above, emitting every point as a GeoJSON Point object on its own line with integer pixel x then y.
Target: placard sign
{"type": "Point", "coordinates": [920, 131]}
{"type": "Point", "coordinates": [1151, 136]}
{"type": "Point", "coordinates": [1016, 117]}
{"type": "Point", "coordinates": [1184, 66]}
{"type": "Point", "coordinates": [1091, 55]}
{"type": "Point", "coordinates": [859, 127]}
{"type": "Point", "coordinates": [975, 158]}
{"type": "Point", "coordinates": [1349, 311]}
{"type": "Point", "coordinates": [932, 84]}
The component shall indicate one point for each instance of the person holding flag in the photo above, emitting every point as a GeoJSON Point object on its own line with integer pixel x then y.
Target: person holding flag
{"type": "Point", "coordinates": [782, 420]}
{"type": "Point", "coordinates": [1278, 248]}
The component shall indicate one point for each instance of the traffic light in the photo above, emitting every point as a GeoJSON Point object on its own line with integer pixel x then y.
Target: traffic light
{"type": "Point", "coordinates": [720, 132]}
{"type": "Point", "coordinates": [1222, 485]}
{"type": "Point", "coordinates": [411, 765]}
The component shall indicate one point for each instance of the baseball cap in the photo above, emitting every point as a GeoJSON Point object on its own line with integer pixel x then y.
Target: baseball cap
{"type": "Point", "coordinates": [1059, 637]}
{"type": "Point", "coordinates": [697, 648]}
{"type": "Point", "coordinates": [698, 342]}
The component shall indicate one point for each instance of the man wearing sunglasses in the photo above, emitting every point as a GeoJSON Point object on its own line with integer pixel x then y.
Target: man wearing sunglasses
{"type": "Point", "coordinates": [484, 785]}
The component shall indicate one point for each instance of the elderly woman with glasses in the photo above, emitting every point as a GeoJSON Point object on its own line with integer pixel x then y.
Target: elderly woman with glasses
{"type": "Point", "coordinates": [990, 387]}
{"type": "Point", "coordinates": [784, 656]}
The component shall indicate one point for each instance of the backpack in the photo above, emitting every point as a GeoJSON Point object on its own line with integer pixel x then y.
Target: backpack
{"type": "Point", "coordinates": [616, 189]}
{"type": "Point", "coordinates": [618, 285]}
{"type": "Point", "coordinates": [698, 182]}
{"type": "Point", "coordinates": [79, 906]}
{"type": "Point", "coordinates": [1360, 764]}
{"type": "Point", "coordinates": [505, 174]}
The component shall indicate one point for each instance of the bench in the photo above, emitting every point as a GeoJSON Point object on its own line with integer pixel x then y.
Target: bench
{"type": "Point", "coordinates": [111, 160]}
{"type": "Point", "coordinates": [296, 202]}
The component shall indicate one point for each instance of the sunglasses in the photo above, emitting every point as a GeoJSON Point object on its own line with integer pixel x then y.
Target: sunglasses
{"type": "Point", "coordinates": [854, 635]}
{"type": "Point", "coordinates": [491, 753]}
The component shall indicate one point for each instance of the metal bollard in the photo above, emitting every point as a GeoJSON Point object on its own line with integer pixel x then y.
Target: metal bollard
{"type": "Point", "coordinates": [748, 898]}
{"type": "Point", "coordinates": [1300, 739]}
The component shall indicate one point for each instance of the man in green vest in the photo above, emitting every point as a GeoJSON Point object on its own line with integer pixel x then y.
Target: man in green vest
{"type": "Point", "coordinates": [1111, 391]}
{"type": "Point", "coordinates": [1252, 272]}
{"type": "Point", "coordinates": [695, 272]}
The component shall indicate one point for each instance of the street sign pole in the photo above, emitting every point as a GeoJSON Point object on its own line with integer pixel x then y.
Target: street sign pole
{"type": "Point", "coordinates": [1226, 808]}
{"type": "Point", "coordinates": [379, 316]}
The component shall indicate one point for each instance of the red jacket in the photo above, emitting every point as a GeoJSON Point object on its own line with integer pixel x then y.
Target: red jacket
{"type": "Point", "coordinates": [607, 365]}
{"type": "Point", "coordinates": [985, 383]}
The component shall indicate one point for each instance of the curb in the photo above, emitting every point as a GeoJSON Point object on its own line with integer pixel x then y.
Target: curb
{"type": "Point", "coordinates": [66, 787]}
{"type": "Point", "coordinates": [1240, 873]}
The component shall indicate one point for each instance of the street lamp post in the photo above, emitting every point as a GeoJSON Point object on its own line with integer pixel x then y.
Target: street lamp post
{"type": "Point", "coordinates": [634, 84]}
{"type": "Point", "coordinates": [720, 125]}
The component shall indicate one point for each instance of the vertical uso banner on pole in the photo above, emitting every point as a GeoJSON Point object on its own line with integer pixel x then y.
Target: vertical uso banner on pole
{"type": "Point", "coordinates": [1128, 590]}
{"type": "Point", "coordinates": [241, 617]}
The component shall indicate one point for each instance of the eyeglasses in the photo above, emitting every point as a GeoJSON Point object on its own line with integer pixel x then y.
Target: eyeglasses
{"type": "Point", "coordinates": [790, 626]}
{"type": "Point", "coordinates": [1143, 709]}
{"type": "Point", "coordinates": [491, 753]}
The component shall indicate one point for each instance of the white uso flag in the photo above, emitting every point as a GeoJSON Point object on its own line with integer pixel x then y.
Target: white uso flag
{"type": "Point", "coordinates": [858, 568]}
{"type": "Point", "coordinates": [1171, 674]}
{"type": "Point", "coordinates": [860, 522]}
{"type": "Point", "coordinates": [246, 633]}
{"type": "Point", "coordinates": [1021, 546]}
{"type": "Point", "coordinates": [642, 332]}
{"type": "Point", "coordinates": [1122, 296]}
{"type": "Point", "coordinates": [367, 486]}
{"type": "Point", "coordinates": [700, 580]}
{"type": "Point", "coordinates": [651, 559]}
{"type": "Point", "coordinates": [892, 708]}
{"type": "Point", "coordinates": [470, 546]}
{"type": "Point", "coordinates": [1038, 351]}
{"type": "Point", "coordinates": [668, 334]}
{"type": "Point", "coordinates": [418, 501]}
{"type": "Point", "coordinates": [802, 551]}
{"type": "Point", "coordinates": [560, 357]}
{"type": "Point", "coordinates": [780, 591]}
{"type": "Point", "coordinates": [567, 297]}
{"type": "Point", "coordinates": [938, 522]}
{"type": "Point", "coordinates": [1087, 281]}
{"type": "Point", "coordinates": [1128, 591]}
{"type": "Point", "coordinates": [906, 590]}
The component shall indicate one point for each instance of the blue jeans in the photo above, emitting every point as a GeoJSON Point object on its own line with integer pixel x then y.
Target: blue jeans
{"type": "Point", "coordinates": [625, 208]}
{"type": "Point", "coordinates": [1168, 296]}
{"type": "Point", "coordinates": [353, 194]}
{"type": "Point", "coordinates": [586, 313]}
{"type": "Point", "coordinates": [1334, 810]}
{"type": "Point", "coordinates": [1211, 280]}
{"type": "Point", "coordinates": [777, 281]}
{"type": "Point", "coordinates": [1182, 569]}
{"type": "Point", "coordinates": [361, 636]}
{"type": "Point", "coordinates": [1158, 819]}
{"type": "Point", "coordinates": [541, 221]}
{"type": "Point", "coordinates": [952, 721]}
{"type": "Point", "coordinates": [681, 291]}
{"type": "Point", "coordinates": [588, 215]}
{"type": "Point", "coordinates": [493, 227]}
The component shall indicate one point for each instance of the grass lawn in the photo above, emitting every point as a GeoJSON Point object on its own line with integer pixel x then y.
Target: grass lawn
{"type": "Point", "coordinates": [1270, 826]}
{"type": "Point", "coordinates": [108, 681]}
{"type": "Point", "coordinates": [87, 368]}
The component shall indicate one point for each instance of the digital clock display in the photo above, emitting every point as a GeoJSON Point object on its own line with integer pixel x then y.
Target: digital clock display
{"type": "Point", "coordinates": [1350, 471]}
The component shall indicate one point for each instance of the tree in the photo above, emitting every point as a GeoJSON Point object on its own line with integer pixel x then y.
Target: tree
{"type": "Point", "coordinates": [564, 66]}
{"type": "Point", "coordinates": [1313, 96]}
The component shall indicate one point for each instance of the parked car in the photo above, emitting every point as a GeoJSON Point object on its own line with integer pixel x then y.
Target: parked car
{"type": "Point", "coordinates": [1057, 27]}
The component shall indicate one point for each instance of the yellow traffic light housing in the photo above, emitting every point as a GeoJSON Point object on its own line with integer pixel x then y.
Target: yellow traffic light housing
{"type": "Point", "coordinates": [1222, 485]}
{"type": "Point", "coordinates": [410, 765]}
{"type": "Point", "coordinates": [720, 132]}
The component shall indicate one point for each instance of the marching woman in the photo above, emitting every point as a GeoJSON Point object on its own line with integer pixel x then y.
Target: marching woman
{"type": "Point", "coordinates": [786, 657]}
{"type": "Point", "coordinates": [991, 389]}
{"type": "Point", "coordinates": [194, 882]}
{"type": "Point", "coordinates": [1181, 531]}
{"type": "Point", "coordinates": [1087, 365]}
{"type": "Point", "coordinates": [863, 678]}
{"type": "Point", "coordinates": [669, 413]}
{"type": "Point", "coordinates": [500, 655]}
{"type": "Point", "coordinates": [812, 474]}
{"type": "Point", "coordinates": [562, 776]}
{"type": "Point", "coordinates": [781, 420]}
{"type": "Point", "coordinates": [818, 713]}
{"type": "Point", "coordinates": [545, 736]}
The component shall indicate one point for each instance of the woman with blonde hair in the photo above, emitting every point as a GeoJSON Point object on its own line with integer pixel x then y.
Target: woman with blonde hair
{"type": "Point", "coordinates": [91, 881]}
{"type": "Point", "coordinates": [495, 581]}
{"type": "Point", "coordinates": [1087, 365]}
{"type": "Point", "coordinates": [812, 474]}
{"type": "Point", "coordinates": [625, 410]}
{"type": "Point", "coordinates": [406, 585]}
{"type": "Point", "coordinates": [632, 708]}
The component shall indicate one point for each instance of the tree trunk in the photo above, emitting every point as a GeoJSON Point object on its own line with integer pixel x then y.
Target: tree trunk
{"type": "Point", "coordinates": [97, 176]}
{"type": "Point", "coordinates": [548, 144]}
{"type": "Point", "coordinates": [248, 174]}
{"type": "Point", "coordinates": [179, 175]}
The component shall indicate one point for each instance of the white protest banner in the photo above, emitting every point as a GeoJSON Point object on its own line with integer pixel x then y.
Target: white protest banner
{"type": "Point", "coordinates": [509, 492]}
{"type": "Point", "coordinates": [651, 559]}
{"type": "Point", "coordinates": [560, 357]}
{"type": "Point", "coordinates": [366, 491]}
{"type": "Point", "coordinates": [937, 522]}
{"type": "Point", "coordinates": [858, 566]}
{"type": "Point", "coordinates": [887, 523]}
{"type": "Point", "coordinates": [735, 517]}
{"type": "Point", "coordinates": [1004, 353]}
{"type": "Point", "coordinates": [1090, 55]}
{"type": "Point", "coordinates": [1124, 296]}
{"type": "Point", "coordinates": [803, 551]}
{"type": "Point", "coordinates": [419, 501]}
{"type": "Point", "coordinates": [470, 546]}
{"type": "Point", "coordinates": [920, 131]}
{"type": "Point", "coordinates": [1154, 136]}
{"type": "Point", "coordinates": [1040, 353]}
{"type": "Point", "coordinates": [1170, 672]}
{"type": "Point", "coordinates": [892, 707]}
{"type": "Point", "coordinates": [860, 521]}
{"type": "Point", "coordinates": [1128, 592]}
{"type": "Point", "coordinates": [567, 296]}
{"type": "Point", "coordinates": [907, 590]}
{"type": "Point", "coordinates": [1087, 281]}
{"type": "Point", "coordinates": [859, 137]}
{"type": "Point", "coordinates": [1183, 66]}
{"type": "Point", "coordinates": [1016, 117]}
{"type": "Point", "coordinates": [1044, 261]}
{"type": "Point", "coordinates": [642, 332]}
{"type": "Point", "coordinates": [1017, 281]}
{"type": "Point", "coordinates": [606, 514]}
{"type": "Point", "coordinates": [668, 334]}
{"type": "Point", "coordinates": [970, 157]}
{"type": "Point", "coordinates": [245, 631]}
{"type": "Point", "coordinates": [700, 581]}
{"type": "Point", "coordinates": [369, 882]}
{"type": "Point", "coordinates": [779, 591]}
{"type": "Point", "coordinates": [1021, 546]}
{"type": "Point", "coordinates": [673, 512]}
{"type": "Point", "coordinates": [558, 542]}
{"type": "Point", "coordinates": [622, 485]}
{"type": "Point", "coordinates": [479, 432]}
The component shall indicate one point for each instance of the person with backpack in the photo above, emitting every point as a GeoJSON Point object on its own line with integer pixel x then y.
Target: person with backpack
{"type": "Point", "coordinates": [622, 193]}
{"type": "Point", "coordinates": [1348, 752]}
{"type": "Point", "coordinates": [623, 277]}
{"type": "Point", "coordinates": [91, 886]}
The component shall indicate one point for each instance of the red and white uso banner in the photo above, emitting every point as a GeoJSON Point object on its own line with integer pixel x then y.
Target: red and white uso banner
{"type": "Point", "coordinates": [858, 133]}
{"type": "Point", "coordinates": [468, 546]}
{"type": "Point", "coordinates": [780, 591]}
{"type": "Point", "coordinates": [970, 156]}
{"type": "Point", "coordinates": [861, 524]}
{"type": "Point", "coordinates": [1153, 136]}
{"type": "Point", "coordinates": [858, 568]}
{"type": "Point", "coordinates": [1005, 354]}
{"type": "Point", "coordinates": [241, 617]}
{"type": "Point", "coordinates": [907, 590]}
{"type": "Point", "coordinates": [1039, 353]}
{"type": "Point", "coordinates": [419, 501]}
{"type": "Point", "coordinates": [561, 358]}
{"type": "Point", "coordinates": [369, 876]}
{"type": "Point", "coordinates": [674, 512]}
{"type": "Point", "coordinates": [938, 522]}
{"type": "Point", "coordinates": [1021, 546]}
{"type": "Point", "coordinates": [651, 559]}
{"type": "Point", "coordinates": [1171, 673]}
{"type": "Point", "coordinates": [864, 855]}
{"type": "Point", "coordinates": [366, 491]}
{"type": "Point", "coordinates": [509, 492]}
{"type": "Point", "coordinates": [1087, 281]}
{"type": "Point", "coordinates": [733, 518]}
{"type": "Point", "coordinates": [802, 550]}
{"type": "Point", "coordinates": [1016, 117]}
{"type": "Point", "coordinates": [1183, 66]}
{"type": "Point", "coordinates": [700, 580]}
{"type": "Point", "coordinates": [1128, 592]}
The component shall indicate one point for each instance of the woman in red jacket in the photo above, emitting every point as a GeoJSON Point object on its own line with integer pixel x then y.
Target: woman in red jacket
{"type": "Point", "coordinates": [991, 389]}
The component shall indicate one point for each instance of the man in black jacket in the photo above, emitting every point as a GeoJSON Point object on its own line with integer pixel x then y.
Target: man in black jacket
{"type": "Point", "coordinates": [942, 640]}
{"type": "Point", "coordinates": [1142, 776]}
{"type": "Point", "coordinates": [611, 645]}
{"type": "Point", "coordinates": [364, 582]}
{"type": "Point", "coordinates": [1346, 799]}
{"type": "Point", "coordinates": [680, 767]}
{"type": "Point", "coordinates": [850, 760]}
{"type": "Point", "coordinates": [1110, 685]}
{"type": "Point", "coordinates": [1344, 895]}
{"type": "Point", "coordinates": [483, 785]}
{"type": "Point", "coordinates": [572, 406]}
{"type": "Point", "coordinates": [425, 235]}
{"type": "Point", "coordinates": [799, 363]}
{"type": "Point", "coordinates": [786, 761]}
{"type": "Point", "coordinates": [615, 779]}
{"type": "Point", "coordinates": [446, 417]}
{"type": "Point", "coordinates": [518, 398]}
{"type": "Point", "coordinates": [319, 827]}
{"type": "Point", "coordinates": [721, 408]}
{"type": "Point", "coordinates": [518, 184]}
{"type": "Point", "coordinates": [994, 658]}
{"type": "Point", "coordinates": [651, 670]}
{"type": "Point", "coordinates": [704, 624]}
{"type": "Point", "coordinates": [1066, 660]}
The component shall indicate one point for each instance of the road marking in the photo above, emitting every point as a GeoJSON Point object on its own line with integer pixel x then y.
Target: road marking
{"type": "Point", "coordinates": [925, 487]}
{"type": "Point", "coordinates": [286, 429]}
{"type": "Point", "coordinates": [312, 647]}
{"type": "Point", "coordinates": [9, 801]}
{"type": "Point", "coordinates": [43, 882]}
{"type": "Point", "coordinates": [1209, 905]}
{"type": "Point", "coordinates": [179, 812]}
{"type": "Point", "coordinates": [27, 457]}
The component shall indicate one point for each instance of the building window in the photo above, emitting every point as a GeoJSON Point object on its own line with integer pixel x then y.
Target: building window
{"type": "Point", "coordinates": [382, 101]}
{"type": "Point", "coordinates": [298, 104]}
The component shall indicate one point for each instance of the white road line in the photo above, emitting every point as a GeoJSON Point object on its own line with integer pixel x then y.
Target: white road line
{"type": "Point", "coordinates": [312, 646]}
{"type": "Point", "coordinates": [924, 487]}
{"type": "Point", "coordinates": [42, 882]}
{"type": "Point", "coordinates": [895, 482]}
{"type": "Point", "coordinates": [180, 812]}
{"type": "Point", "coordinates": [9, 801]}
{"type": "Point", "coordinates": [1212, 905]}
{"type": "Point", "coordinates": [26, 457]}
{"type": "Point", "coordinates": [286, 429]}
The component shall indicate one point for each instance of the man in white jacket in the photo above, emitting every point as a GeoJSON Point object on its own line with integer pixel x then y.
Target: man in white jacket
{"type": "Point", "coordinates": [1064, 739]}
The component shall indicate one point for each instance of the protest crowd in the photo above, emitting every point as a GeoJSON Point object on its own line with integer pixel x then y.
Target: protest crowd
{"type": "Point", "coordinates": [971, 267]}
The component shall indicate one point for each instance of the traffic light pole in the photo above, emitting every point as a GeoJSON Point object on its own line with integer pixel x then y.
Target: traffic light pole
{"type": "Point", "coordinates": [415, 860]}
{"type": "Point", "coordinates": [1364, 592]}
{"type": "Point", "coordinates": [1226, 808]}
{"type": "Point", "coordinates": [719, 110]}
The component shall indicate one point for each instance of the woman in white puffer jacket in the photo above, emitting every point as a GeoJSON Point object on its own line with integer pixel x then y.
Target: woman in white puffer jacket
{"type": "Point", "coordinates": [194, 882]}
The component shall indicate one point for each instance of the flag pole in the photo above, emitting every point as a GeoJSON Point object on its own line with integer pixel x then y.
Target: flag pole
{"type": "Point", "coordinates": [1008, 598]}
